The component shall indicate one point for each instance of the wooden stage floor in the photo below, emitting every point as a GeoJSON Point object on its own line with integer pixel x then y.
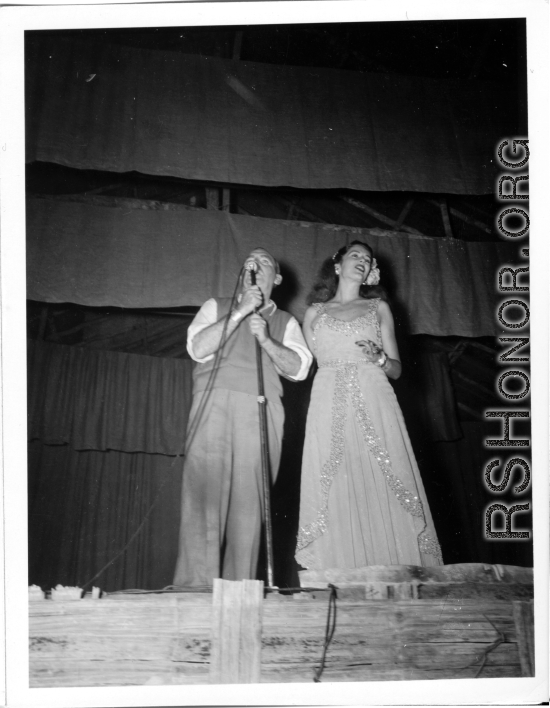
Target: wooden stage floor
{"type": "Point", "coordinates": [397, 623]}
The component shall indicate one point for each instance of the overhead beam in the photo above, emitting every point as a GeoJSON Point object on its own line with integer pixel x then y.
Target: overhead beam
{"type": "Point", "coordinates": [457, 351]}
{"type": "Point", "coordinates": [401, 218]}
{"type": "Point", "coordinates": [483, 347]}
{"type": "Point", "coordinates": [297, 209]}
{"type": "Point", "coordinates": [446, 219]}
{"type": "Point", "coordinates": [377, 215]}
{"type": "Point", "coordinates": [465, 217]}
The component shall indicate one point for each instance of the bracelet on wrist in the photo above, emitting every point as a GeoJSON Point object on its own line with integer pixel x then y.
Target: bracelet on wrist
{"type": "Point", "coordinates": [236, 316]}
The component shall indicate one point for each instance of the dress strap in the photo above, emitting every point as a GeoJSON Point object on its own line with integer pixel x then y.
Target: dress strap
{"type": "Point", "coordinates": [319, 307]}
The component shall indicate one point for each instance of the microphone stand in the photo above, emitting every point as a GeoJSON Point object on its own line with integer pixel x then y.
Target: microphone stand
{"type": "Point", "coordinates": [262, 403]}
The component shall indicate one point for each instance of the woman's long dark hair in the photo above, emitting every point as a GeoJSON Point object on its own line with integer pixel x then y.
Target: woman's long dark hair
{"type": "Point", "coordinates": [327, 283]}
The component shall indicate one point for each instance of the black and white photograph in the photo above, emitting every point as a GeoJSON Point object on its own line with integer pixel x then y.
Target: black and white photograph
{"type": "Point", "coordinates": [274, 429]}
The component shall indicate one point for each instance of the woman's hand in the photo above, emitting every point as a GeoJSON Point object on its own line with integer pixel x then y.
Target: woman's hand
{"type": "Point", "coordinates": [370, 349]}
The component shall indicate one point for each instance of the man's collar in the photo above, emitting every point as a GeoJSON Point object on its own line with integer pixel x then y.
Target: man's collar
{"type": "Point", "coordinates": [271, 305]}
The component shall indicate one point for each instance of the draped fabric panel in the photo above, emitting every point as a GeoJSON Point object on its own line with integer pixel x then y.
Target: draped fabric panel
{"type": "Point", "coordinates": [96, 255]}
{"type": "Point", "coordinates": [84, 506]}
{"type": "Point", "coordinates": [204, 118]}
{"type": "Point", "coordinates": [426, 395]}
{"type": "Point", "coordinates": [453, 475]}
{"type": "Point", "coordinates": [96, 400]}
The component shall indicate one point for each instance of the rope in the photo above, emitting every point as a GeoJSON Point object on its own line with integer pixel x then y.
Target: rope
{"type": "Point", "coordinates": [329, 631]}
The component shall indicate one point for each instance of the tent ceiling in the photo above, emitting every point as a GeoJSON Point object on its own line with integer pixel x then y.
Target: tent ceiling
{"type": "Point", "coordinates": [492, 50]}
{"type": "Point", "coordinates": [484, 49]}
{"type": "Point", "coordinates": [392, 70]}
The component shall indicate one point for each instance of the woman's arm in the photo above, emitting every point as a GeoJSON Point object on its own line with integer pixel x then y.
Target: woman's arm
{"type": "Point", "coordinates": [311, 314]}
{"type": "Point", "coordinates": [392, 366]}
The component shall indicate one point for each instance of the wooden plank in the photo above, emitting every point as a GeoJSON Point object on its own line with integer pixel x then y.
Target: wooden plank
{"type": "Point", "coordinates": [454, 572]}
{"type": "Point", "coordinates": [83, 672]}
{"type": "Point", "coordinates": [524, 623]}
{"type": "Point", "coordinates": [166, 639]}
{"type": "Point", "coordinates": [488, 591]}
{"type": "Point", "coordinates": [236, 631]}
{"type": "Point", "coordinates": [376, 640]}
{"type": "Point", "coordinates": [250, 643]}
{"type": "Point", "coordinates": [302, 673]}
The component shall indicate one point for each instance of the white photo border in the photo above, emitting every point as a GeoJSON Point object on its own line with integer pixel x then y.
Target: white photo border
{"type": "Point", "coordinates": [65, 15]}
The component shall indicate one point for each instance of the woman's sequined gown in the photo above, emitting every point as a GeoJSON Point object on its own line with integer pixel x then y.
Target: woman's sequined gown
{"type": "Point", "coordinates": [362, 499]}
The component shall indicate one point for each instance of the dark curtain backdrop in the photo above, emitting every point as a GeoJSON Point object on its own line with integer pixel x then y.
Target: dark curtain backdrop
{"type": "Point", "coordinates": [110, 256]}
{"type": "Point", "coordinates": [204, 118]}
{"type": "Point", "coordinates": [106, 432]}
{"type": "Point", "coordinates": [100, 400]}
{"type": "Point", "coordinates": [453, 472]}
{"type": "Point", "coordinates": [84, 506]}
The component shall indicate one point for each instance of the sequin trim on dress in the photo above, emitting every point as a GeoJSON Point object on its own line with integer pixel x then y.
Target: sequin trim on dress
{"type": "Point", "coordinates": [335, 363]}
{"type": "Point", "coordinates": [409, 501]}
{"type": "Point", "coordinates": [353, 327]}
{"type": "Point", "coordinates": [430, 545]}
{"type": "Point", "coordinates": [347, 379]}
{"type": "Point", "coordinates": [312, 531]}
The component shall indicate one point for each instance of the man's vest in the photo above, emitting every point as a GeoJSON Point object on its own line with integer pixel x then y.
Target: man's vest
{"type": "Point", "coordinates": [236, 368]}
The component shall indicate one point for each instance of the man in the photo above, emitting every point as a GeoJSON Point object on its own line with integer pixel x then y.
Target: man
{"type": "Point", "coordinates": [222, 506]}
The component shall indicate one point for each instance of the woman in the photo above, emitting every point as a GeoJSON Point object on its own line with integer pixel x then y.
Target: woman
{"type": "Point", "coordinates": [362, 499]}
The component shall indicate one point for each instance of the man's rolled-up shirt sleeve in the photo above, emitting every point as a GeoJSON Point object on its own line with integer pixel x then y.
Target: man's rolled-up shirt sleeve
{"type": "Point", "coordinates": [294, 339]}
{"type": "Point", "coordinates": [206, 316]}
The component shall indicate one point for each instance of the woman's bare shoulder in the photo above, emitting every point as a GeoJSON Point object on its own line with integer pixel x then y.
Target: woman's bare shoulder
{"type": "Point", "coordinates": [311, 312]}
{"type": "Point", "coordinates": [384, 311]}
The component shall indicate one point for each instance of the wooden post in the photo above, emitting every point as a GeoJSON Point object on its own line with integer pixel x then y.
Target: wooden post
{"type": "Point", "coordinates": [212, 198]}
{"type": "Point", "coordinates": [226, 200]}
{"type": "Point", "coordinates": [524, 621]}
{"type": "Point", "coordinates": [236, 632]}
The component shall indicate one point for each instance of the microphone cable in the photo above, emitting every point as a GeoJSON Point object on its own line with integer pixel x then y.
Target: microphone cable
{"type": "Point", "coordinates": [192, 427]}
{"type": "Point", "coordinates": [194, 424]}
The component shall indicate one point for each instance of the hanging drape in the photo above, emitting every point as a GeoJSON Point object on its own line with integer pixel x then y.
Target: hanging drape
{"type": "Point", "coordinates": [426, 394]}
{"type": "Point", "coordinates": [100, 400]}
{"type": "Point", "coordinates": [84, 507]}
{"type": "Point", "coordinates": [106, 432]}
{"type": "Point", "coordinates": [453, 473]}
{"type": "Point", "coordinates": [92, 105]}
{"type": "Point", "coordinates": [96, 255]}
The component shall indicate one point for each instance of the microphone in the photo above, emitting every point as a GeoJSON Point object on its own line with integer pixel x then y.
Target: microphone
{"type": "Point", "coordinates": [251, 268]}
